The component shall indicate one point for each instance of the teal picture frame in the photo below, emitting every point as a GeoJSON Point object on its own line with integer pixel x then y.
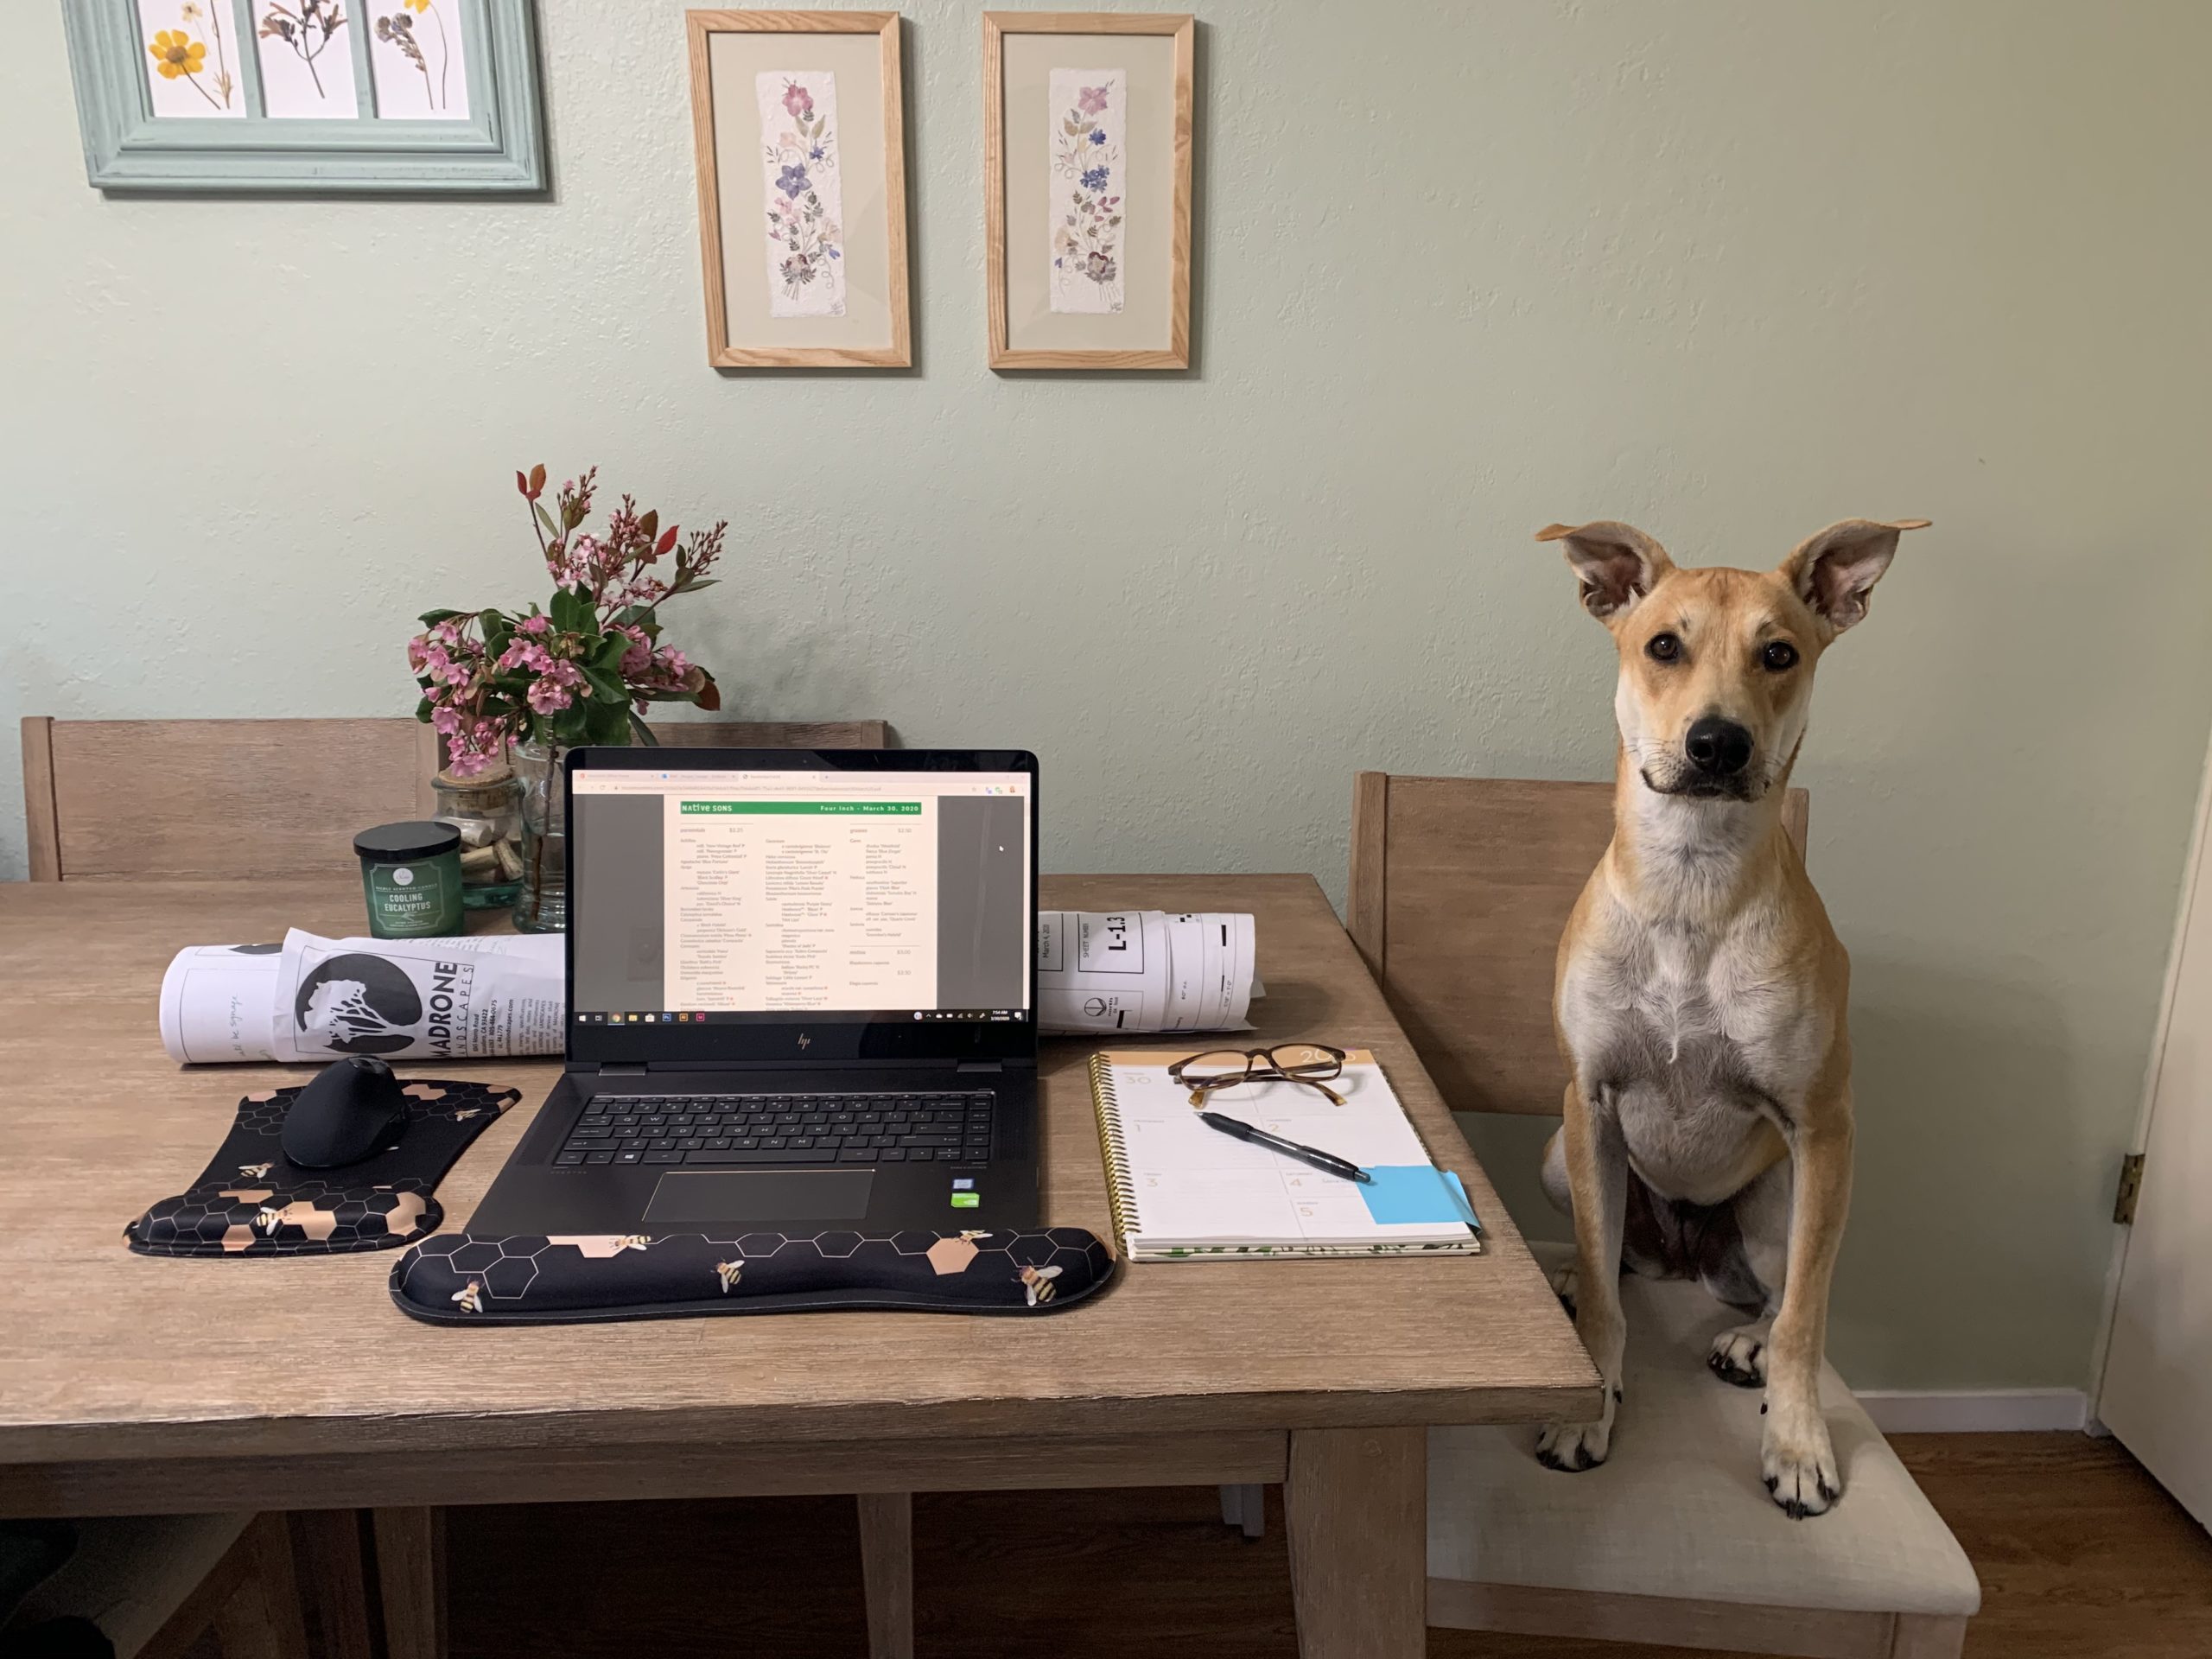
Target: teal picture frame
{"type": "Point", "coordinates": [499, 149]}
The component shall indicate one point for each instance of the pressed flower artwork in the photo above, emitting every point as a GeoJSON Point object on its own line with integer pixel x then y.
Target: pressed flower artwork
{"type": "Point", "coordinates": [804, 210]}
{"type": "Point", "coordinates": [307, 58]}
{"type": "Point", "coordinates": [417, 60]}
{"type": "Point", "coordinates": [1088, 111]}
{"type": "Point", "coordinates": [188, 59]}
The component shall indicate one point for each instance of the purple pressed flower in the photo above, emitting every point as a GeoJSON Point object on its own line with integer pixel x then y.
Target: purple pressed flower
{"type": "Point", "coordinates": [1095, 179]}
{"type": "Point", "coordinates": [792, 181]}
{"type": "Point", "coordinates": [1097, 135]}
{"type": "Point", "coordinates": [1091, 100]}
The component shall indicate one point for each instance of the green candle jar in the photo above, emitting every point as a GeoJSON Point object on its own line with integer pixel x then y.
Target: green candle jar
{"type": "Point", "coordinates": [410, 875]}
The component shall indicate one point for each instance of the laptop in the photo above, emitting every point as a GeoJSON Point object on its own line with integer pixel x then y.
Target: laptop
{"type": "Point", "coordinates": [802, 992]}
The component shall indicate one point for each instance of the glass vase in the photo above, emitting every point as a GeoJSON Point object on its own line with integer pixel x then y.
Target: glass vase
{"type": "Point", "coordinates": [541, 903]}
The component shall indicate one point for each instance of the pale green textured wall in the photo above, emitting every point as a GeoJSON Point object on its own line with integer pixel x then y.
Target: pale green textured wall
{"type": "Point", "coordinates": [1728, 270]}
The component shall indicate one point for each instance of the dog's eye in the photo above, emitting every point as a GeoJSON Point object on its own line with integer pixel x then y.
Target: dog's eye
{"type": "Point", "coordinates": [1664, 648]}
{"type": "Point", "coordinates": [1778, 655]}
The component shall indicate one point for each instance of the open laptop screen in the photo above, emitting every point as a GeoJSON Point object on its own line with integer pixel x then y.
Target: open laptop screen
{"type": "Point", "coordinates": [765, 895]}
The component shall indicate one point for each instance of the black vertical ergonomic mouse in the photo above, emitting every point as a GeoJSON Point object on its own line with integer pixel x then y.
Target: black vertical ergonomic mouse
{"type": "Point", "coordinates": [351, 1110]}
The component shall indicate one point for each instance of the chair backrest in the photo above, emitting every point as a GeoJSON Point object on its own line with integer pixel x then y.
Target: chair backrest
{"type": "Point", "coordinates": [1460, 888]}
{"type": "Point", "coordinates": [232, 799]}
{"type": "Point", "coordinates": [774, 734]}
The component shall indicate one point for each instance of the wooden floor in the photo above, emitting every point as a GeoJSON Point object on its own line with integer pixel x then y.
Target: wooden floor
{"type": "Point", "coordinates": [2082, 1557]}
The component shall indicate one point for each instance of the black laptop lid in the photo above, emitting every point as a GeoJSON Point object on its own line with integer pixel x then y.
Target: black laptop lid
{"type": "Point", "coordinates": [798, 905]}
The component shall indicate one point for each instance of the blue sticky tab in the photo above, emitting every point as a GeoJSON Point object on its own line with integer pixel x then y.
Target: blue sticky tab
{"type": "Point", "coordinates": [1415, 1192]}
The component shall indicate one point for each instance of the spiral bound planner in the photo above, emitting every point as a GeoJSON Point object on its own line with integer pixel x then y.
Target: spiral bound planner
{"type": "Point", "coordinates": [1180, 1190]}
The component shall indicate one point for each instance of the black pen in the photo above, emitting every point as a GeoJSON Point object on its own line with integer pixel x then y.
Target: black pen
{"type": "Point", "coordinates": [1327, 1162]}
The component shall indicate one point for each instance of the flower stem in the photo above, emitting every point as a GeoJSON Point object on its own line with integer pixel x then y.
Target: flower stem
{"type": "Point", "coordinates": [445, 56]}
{"type": "Point", "coordinates": [202, 91]}
{"type": "Point", "coordinates": [222, 58]}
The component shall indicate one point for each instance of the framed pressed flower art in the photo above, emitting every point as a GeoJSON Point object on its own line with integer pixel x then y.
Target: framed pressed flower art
{"type": "Point", "coordinates": [1087, 188]}
{"type": "Point", "coordinates": [797, 118]}
{"type": "Point", "coordinates": [318, 97]}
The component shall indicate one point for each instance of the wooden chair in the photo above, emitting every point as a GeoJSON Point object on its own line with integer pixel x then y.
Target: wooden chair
{"type": "Point", "coordinates": [183, 799]}
{"type": "Point", "coordinates": [1459, 890]}
{"type": "Point", "coordinates": [156, 1586]}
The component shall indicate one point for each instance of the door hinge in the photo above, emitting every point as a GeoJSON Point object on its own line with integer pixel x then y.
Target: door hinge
{"type": "Point", "coordinates": [2131, 1185]}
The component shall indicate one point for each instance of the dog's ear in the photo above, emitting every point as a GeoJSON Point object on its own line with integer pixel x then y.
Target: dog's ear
{"type": "Point", "coordinates": [1834, 571]}
{"type": "Point", "coordinates": [1617, 564]}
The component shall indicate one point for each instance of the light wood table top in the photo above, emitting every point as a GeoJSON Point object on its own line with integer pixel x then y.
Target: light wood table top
{"type": "Point", "coordinates": [110, 1359]}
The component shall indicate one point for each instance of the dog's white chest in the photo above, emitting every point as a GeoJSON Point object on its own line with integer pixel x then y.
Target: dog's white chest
{"type": "Point", "coordinates": [1673, 996]}
{"type": "Point", "coordinates": [1696, 1035]}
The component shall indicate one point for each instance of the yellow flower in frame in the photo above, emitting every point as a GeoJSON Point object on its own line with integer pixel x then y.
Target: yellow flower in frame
{"type": "Point", "coordinates": [175, 55]}
{"type": "Point", "coordinates": [416, 5]}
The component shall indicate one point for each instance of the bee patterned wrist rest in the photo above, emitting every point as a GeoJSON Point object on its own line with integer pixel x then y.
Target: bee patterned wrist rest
{"type": "Point", "coordinates": [457, 1279]}
{"type": "Point", "coordinates": [249, 1201]}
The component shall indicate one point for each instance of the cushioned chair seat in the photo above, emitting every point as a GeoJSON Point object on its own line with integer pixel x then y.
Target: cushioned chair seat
{"type": "Point", "coordinates": [1678, 1510]}
{"type": "Point", "coordinates": [131, 1574]}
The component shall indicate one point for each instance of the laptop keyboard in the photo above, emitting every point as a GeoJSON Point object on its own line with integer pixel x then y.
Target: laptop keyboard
{"type": "Point", "coordinates": [725, 1129]}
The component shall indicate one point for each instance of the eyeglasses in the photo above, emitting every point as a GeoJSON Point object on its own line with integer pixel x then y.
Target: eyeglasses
{"type": "Point", "coordinates": [1311, 1064]}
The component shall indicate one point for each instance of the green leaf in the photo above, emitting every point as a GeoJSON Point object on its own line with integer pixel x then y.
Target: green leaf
{"type": "Point", "coordinates": [703, 582]}
{"type": "Point", "coordinates": [422, 711]}
{"type": "Point", "coordinates": [613, 648]}
{"type": "Point", "coordinates": [545, 519]}
{"type": "Point", "coordinates": [570, 614]}
{"type": "Point", "coordinates": [604, 689]}
{"type": "Point", "coordinates": [605, 722]}
{"type": "Point", "coordinates": [431, 619]}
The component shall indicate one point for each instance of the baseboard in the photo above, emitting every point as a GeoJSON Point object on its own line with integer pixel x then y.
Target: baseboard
{"type": "Point", "coordinates": [1974, 1411]}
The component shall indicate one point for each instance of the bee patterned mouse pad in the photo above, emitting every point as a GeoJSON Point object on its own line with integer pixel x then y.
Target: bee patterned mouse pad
{"type": "Point", "coordinates": [249, 1201]}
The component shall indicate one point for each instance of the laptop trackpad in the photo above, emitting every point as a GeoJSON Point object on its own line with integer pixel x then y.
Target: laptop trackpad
{"type": "Point", "coordinates": [718, 1198]}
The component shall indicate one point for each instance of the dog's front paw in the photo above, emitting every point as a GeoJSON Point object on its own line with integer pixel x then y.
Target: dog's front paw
{"type": "Point", "coordinates": [1573, 1447]}
{"type": "Point", "coordinates": [1565, 1279]}
{"type": "Point", "coordinates": [1798, 1463]}
{"type": "Point", "coordinates": [1739, 1356]}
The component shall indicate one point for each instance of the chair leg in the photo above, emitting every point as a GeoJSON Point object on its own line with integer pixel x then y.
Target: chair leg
{"type": "Point", "coordinates": [1929, 1636]}
{"type": "Point", "coordinates": [411, 1581]}
{"type": "Point", "coordinates": [328, 1566]}
{"type": "Point", "coordinates": [887, 1572]}
{"type": "Point", "coordinates": [1245, 1507]}
{"type": "Point", "coordinates": [273, 1590]}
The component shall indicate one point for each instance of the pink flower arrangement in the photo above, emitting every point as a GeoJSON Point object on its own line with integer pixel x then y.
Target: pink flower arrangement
{"type": "Point", "coordinates": [581, 670]}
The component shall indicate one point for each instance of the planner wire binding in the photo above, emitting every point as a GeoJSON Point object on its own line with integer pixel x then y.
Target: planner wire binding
{"type": "Point", "coordinates": [1121, 1189]}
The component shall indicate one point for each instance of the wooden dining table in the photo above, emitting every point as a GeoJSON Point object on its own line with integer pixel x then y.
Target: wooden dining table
{"type": "Point", "coordinates": [136, 1384]}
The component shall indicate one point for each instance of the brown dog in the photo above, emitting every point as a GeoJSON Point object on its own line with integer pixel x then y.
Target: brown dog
{"type": "Point", "coordinates": [1700, 997]}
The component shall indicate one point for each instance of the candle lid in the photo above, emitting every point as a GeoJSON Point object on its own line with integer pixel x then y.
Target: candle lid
{"type": "Point", "coordinates": [402, 844]}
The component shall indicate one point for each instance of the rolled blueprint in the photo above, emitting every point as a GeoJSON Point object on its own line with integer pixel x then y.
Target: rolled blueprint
{"type": "Point", "coordinates": [315, 999]}
{"type": "Point", "coordinates": [1143, 970]}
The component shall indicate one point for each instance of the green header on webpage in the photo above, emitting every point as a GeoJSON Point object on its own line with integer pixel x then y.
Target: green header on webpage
{"type": "Point", "coordinates": [871, 809]}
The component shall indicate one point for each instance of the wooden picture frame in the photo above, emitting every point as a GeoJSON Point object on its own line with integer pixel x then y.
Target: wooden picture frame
{"type": "Point", "coordinates": [873, 327]}
{"type": "Point", "coordinates": [481, 131]}
{"type": "Point", "coordinates": [1148, 325]}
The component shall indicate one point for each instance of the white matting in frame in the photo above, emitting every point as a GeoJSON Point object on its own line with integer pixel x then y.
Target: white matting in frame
{"type": "Point", "coordinates": [820, 281]}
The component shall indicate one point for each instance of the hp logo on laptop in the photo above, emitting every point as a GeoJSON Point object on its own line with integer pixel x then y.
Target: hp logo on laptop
{"type": "Point", "coordinates": [803, 1039]}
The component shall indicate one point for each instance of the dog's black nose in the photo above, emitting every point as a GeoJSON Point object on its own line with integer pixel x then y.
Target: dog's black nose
{"type": "Point", "coordinates": [1718, 747]}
